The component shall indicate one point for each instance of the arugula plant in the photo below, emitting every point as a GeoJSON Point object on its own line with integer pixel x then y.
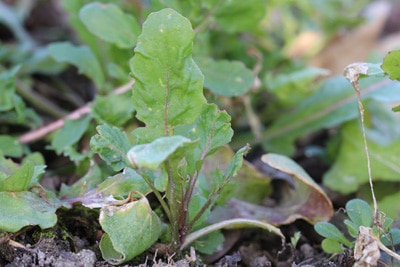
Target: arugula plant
{"type": "Point", "coordinates": [181, 130]}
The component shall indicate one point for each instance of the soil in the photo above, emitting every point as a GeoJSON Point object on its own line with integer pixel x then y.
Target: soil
{"type": "Point", "coordinates": [74, 240]}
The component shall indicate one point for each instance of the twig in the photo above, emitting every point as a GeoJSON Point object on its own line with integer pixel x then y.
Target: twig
{"type": "Point", "coordinates": [352, 73]}
{"type": "Point", "coordinates": [254, 120]}
{"type": "Point", "coordinates": [76, 114]}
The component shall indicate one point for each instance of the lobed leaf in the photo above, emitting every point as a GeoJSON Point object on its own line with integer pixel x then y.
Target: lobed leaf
{"type": "Point", "coordinates": [113, 109]}
{"type": "Point", "coordinates": [212, 129]}
{"type": "Point", "coordinates": [168, 84]}
{"type": "Point", "coordinates": [112, 145]}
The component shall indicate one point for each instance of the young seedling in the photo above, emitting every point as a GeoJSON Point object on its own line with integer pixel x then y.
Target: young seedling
{"type": "Point", "coordinates": [181, 130]}
{"type": "Point", "coordinates": [360, 217]}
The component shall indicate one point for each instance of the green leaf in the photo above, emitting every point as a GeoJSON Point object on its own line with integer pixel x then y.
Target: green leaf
{"type": "Point", "coordinates": [196, 203]}
{"type": "Point", "coordinates": [330, 231]}
{"type": "Point", "coordinates": [108, 22]}
{"type": "Point", "coordinates": [210, 243]}
{"type": "Point", "coordinates": [10, 146]}
{"type": "Point", "coordinates": [236, 16]}
{"type": "Point", "coordinates": [226, 78]}
{"type": "Point", "coordinates": [150, 156]}
{"type": "Point", "coordinates": [292, 86]}
{"type": "Point", "coordinates": [359, 212]}
{"type": "Point", "coordinates": [130, 229]}
{"type": "Point", "coordinates": [91, 179]}
{"type": "Point", "coordinates": [333, 104]}
{"type": "Point", "coordinates": [79, 56]}
{"type": "Point", "coordinates": [22, 209]}
{"type": "Point", "coordinates": [352, 228]}
{"type": "Point", "coordinates": [7, 79]}
{"type": "Point", "coordinates": [168, 84]}
{"type": "Point", "coordinates": [391, 64]}
{"type": "Point", "coordinates": [19, 180]}
{"type": "Point", "coordinates": [212, 128]}
{"type": "Point", "coordinates": [69, 134]}
{"type": "Point", "coordinates": [391, 238]}
{"type": "Point", "coordinates": [396, 108]}
{"type": "Point", "coordinates": [344, 177]}
{"type": "Point", "coordinates": [121, 184]}
{"type": "Point", "coordinates": [331, 246]}
{"type": "Point", "coordinates": [113, 109]}
{"type": "Point", "coordinates": [112, 145]}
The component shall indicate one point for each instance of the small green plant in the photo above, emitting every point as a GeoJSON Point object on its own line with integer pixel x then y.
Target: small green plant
{"type": "Point", "coordinates": [360, 215]}
{"type": "Point", "coordinates": [181, 130]}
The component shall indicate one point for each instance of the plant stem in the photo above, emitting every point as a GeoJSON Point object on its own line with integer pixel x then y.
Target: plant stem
{"type": "Point", "coordinates": [158, 195]}
{"type": "Point", "coordinates": [371, 184]}
{"type": "Point", "coordinates": [41, 132]}
{"type": "Point", "coordinates": [173, 206]}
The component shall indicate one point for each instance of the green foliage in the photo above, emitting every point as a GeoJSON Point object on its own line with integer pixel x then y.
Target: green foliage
{"type": "Point", "coordinates": [226, 78]}
{"type": "Point", "coordinates": [24, 201]}
{"type": "Point", "coordinates": [360, 214]}
{"type": "Point", "coordinates": [390, 66]}
{"type": "Point", "coordinates": [124, 226]}
{"type": "Point", "coordinates": [79, 56]}
{"type": "Point", "coordinates": [103, 19]}
{"type": "Point", "coordinates": [168, 98]}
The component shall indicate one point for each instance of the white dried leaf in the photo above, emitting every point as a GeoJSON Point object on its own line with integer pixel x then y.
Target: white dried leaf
{"type": "Point", "coordinates": [366, 250]}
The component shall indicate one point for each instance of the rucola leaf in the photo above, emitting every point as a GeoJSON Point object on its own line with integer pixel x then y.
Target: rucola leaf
{"type": "Point", "coordinates": [236, 15]}
{"type": "Point", "coordinates": [150, 156]}
{"type": "Point", "coordinates": [10, 146]}
{"type": "Point", "coordinates": [332, 105]}
{"type": "Point", "coordinates": [345, 178]}
{"type": "Point", "coordinates": [70, 134]}
{"type": "Point", "coordinates": [113, 109]}
{"type": "Point", "coordinates": [25, 208]}
{"type": "Point", "coordinates": [112, 145]}
{"type": "Point", "coordinates": [7, 91]}
{"type": "Point", "coordinates": [108, 22]}
{"type": "Point", "coordinates": [391, 64]}
{"type": "Point", "coordinates": [212, 129]}
{"type": "Point", "coordinates": [130, 229]}
{"type": "Point", "coordinates": [79, 56]}
{"type": "Point", "coordinates": [168, 84]}
{"type": "Point", "coordinates": [226, 78]}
